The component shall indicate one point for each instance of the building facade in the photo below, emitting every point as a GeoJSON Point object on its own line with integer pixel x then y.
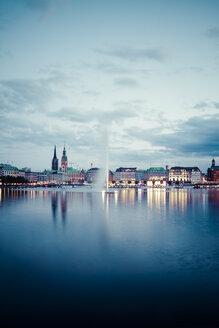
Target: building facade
{"type": "Point", "coordinates": [140, 176]}
{"type": "Point", "coordinates": [75, 176]}
{"type": "Point", "coordinates": [180, 174]}
{"type": "Point", "coordinates": [125, 175]}
{"type": "Point", "coordinates": [157, 174]}
{"type": "Point", "coordinates": [12, 171]}
{"type": "Point", "coordinates": [213, 172]}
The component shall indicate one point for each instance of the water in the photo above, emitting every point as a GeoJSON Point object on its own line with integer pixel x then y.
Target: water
{"type": "Point", "coordinates": [132, 257]}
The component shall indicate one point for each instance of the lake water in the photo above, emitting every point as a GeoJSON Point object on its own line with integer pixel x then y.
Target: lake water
{"type": "Point", "coordinates": [145, 258]}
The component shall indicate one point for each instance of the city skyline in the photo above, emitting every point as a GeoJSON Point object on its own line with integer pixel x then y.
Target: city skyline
{"type": "Point", "coordinates": [145, 71]}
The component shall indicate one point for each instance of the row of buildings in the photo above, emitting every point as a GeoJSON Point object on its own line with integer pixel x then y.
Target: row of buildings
{"type": "Point", "coordinates": [154, 176]}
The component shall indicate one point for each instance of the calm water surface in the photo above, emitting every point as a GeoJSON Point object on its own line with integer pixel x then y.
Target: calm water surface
{"type": "Point", "coordinates": [145, 258]}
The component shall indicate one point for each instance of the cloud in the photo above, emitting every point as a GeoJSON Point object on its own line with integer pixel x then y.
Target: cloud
{"type": "Point", "coordinates": [24, 95]}
{"type": "Point", "coordinates": [31, 95]}
{"type": "Point", "coordinates": [213, 32]}
{"type": "Point", "coordinates": [204, 105]}
{"type": "Point", "coordinates": [126, 82]}
{"type": "Point", "coordinates": [201, 105]}
{"type": "Point", "coordinates": [133, 55]}
{"type": "Point", "coordinates": [216, 104]}
{"type": "Point", "coordinates": [199, 136]}
{"type": "Point", "coordinates": [80, 115]}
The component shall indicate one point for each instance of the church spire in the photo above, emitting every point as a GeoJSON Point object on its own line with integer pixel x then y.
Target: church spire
{"type": "Point", "coordinates": [213, 162]}
{"type": "Point", "coordinates": [54, 152]}
{"type": "Point", "coordinates": [64, 161]}
{"type": "Point", "coordinates": [55, 161]}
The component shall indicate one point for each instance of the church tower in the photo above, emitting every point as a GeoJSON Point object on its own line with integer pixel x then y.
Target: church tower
{"type": "Point", "coordinates": [55, 161]}
{"type": "Point", "coordinates": [213, 163]}
{"type": "Point", "coordinates": [64, 161]}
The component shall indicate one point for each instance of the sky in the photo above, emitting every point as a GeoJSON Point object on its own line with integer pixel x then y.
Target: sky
{"type": "Point", "coordinates": [137, 77]}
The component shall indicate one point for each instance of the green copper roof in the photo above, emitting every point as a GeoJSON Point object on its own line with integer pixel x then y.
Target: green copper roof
{"type": "Point", "coordinates": [155, 169]}
{"type": "Point", "coordinates": [71, 169]}
{"type": "Point", "coordinates": [8, 167]}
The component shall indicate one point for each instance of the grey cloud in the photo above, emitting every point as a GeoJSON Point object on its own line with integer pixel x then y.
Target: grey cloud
{"type": "Point", "coordinates": [133, 55]}
{"type": "Point", "coordinates": [29, 95]}
{"type": "Point", "coordinates": [203, 105]}
{"type": "Point", "coordinates": [216, 104]}
{"type": "Point", "coordinates": [111, 68]}
{"type": "Point", "coordinates": [32, 131]}
{"type": "Point", "coordinates": [80, 115]}
{"type": "Point", "coordinates": [126, 82]}
{"type": "Point", "coordinates": [213, 32]}
{"type": "Point", "coordinates": [24, 95]}
{"type": "Point", "coordinates": [199, 136]}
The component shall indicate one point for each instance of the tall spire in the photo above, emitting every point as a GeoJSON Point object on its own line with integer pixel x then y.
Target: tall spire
{"type": "Point", "coordinates": [213, 162]}
{"type": "Point", "coordinates": [54, 152]}
{"type": "Point", "coordinates": [64, 152]}
{"type": "Point", "coordinates": [55, 161]}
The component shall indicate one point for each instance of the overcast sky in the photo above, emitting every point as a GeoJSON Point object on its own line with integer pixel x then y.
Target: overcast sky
{"type": "Point", "coordinates": [145, 71]}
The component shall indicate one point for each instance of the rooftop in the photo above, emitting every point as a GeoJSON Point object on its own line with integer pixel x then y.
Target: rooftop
{"type": "Point", "coordinates": [8, 167]}
{"type": "Point", "coordinates": [156, 169]}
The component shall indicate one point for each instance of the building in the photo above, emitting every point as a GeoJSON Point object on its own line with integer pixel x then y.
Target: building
{"type": "Point", "coordinates": [111, 177]}
{"type": "Point", "coordinates": [125, 175]}
{"type": "Point", "coordinates": [76, 176]}
{"type": "Point", "coordinates": [55, 161]}
{"type": "Point", "coordinates": [185, 175]}
{"type": "Point", "coordinates": [140, 176]}
{"type": "Point", "coordinates": [64, 161]}
{"type": "Point", "coordinates": [213, 172]}
{"type": "Point", "coordinates": [12, 171]}
{"type": "Point", "coordinates": [157, 174]}
{"type": "Point", "coordinates": [31, 176]}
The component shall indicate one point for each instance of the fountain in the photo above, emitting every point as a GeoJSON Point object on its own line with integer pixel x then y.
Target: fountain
{"type": "Point", "coordinates": [103, 176]}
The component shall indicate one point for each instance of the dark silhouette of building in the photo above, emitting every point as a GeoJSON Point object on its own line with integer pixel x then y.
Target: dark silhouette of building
{"type": "Point", "coordinates": [213, 172]}
{"type": "Point", "coordinates": [64, 161]}
{"type": "Point", "coordinates": [55, 161]}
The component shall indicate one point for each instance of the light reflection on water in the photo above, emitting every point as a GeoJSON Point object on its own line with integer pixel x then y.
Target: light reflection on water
{"type": "Point", "coordinates": [145, 241]}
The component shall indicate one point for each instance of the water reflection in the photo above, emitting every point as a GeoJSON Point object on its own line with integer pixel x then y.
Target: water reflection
{"type": "Point", "coordinates": [64, 206]}
{"type": "Point", "coordinates": [54, 200]}
{"type": "Point", "coordinates": [150, 248]}
{"type": "Point", "coordinates": [171, 200]}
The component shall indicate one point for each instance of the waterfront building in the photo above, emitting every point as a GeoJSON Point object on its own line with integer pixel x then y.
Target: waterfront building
{"type": "Point", "coordinates": [64, 161]}
{"type": "Point", "coordinates": [126, 175]}
{"type": "Point", "coordinates": [157, 174]}
{"type": "Point", "coordinates": [140, 176]}
{"type": "Point", "coordinates": [111, 177]}
{"type": "Point", "coordinates": [185, 174]}
{"type": "Point", "coordinates": [55, 161]}
{"type": "Point", "coordinates": [213, 172]}
{"type": "Point", "coordinates": [75, 176]}
{"type": "Point", "coordinates": [31, 176]}
{"type": "Point", "coordinates": [55, 177]}
{"type": "Point", "coordinates": [9, 170]}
